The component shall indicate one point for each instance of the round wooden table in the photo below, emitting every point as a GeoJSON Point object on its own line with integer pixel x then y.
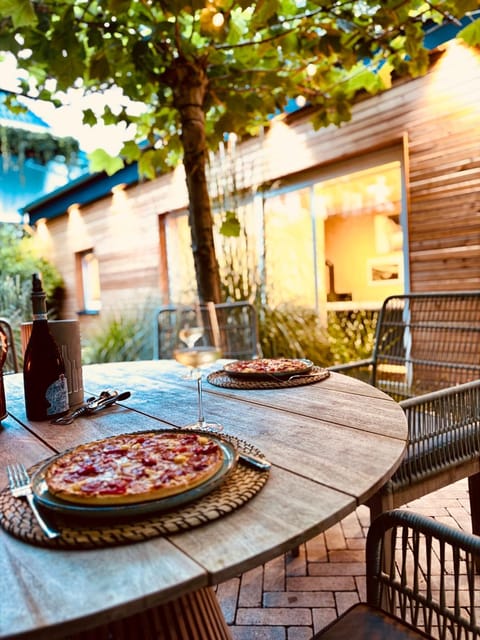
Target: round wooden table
{"type": "Point", "coordinates": [332, 444]}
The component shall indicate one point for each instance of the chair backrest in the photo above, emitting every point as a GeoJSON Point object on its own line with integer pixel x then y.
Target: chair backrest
{"type": "Point", "coordinates": [427, 341]}
{"type": "Point", "coordinates": [424, 572]}
{"type": "Point", "coordinates": [237, 324]}
{"type": "Point", "coordinates": [11, 364]}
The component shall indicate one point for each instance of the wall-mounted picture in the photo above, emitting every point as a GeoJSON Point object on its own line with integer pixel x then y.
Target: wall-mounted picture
{"type": "Point", "coordinates": [384, 270]}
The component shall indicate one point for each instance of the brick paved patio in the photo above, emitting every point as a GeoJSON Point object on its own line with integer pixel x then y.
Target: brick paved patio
{"type": "Point", "coordinates": [291, 598]}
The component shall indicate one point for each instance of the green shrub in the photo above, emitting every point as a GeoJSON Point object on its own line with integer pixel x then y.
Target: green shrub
{"type": "Point", "coordinates": [118, 338]}
{"type": "Point", "coordinates": [286, 331]}
{"type": "Point", "coordinates": [351, 334]}
{"type": "Point", "coordinates": [17, 263]}
{"type": "Point", "coordinates": [290, 331]}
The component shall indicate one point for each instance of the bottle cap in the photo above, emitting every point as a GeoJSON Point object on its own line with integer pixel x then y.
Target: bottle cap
{"type": "Point", "coordinates": [38, 296]}
{"type": "Point", "coordinates": [37, 285]}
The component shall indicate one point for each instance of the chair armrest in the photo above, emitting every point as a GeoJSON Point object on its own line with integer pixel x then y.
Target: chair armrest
{"type": "Point", "coordinates": [443, 430]}
{"type": "Point", "coordinates": [357, 364]}
{"type": "Point", "coordinates": [423, 572]}
{"type": "Point", "coordinates": [436, 397]}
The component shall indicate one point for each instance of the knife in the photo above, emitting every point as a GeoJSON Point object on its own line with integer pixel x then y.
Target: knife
{"type": "Point", "coordinates": [250, 460]}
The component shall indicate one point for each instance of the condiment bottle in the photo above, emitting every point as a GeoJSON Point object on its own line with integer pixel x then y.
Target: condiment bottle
{"type": "Point", "coordinates": [45, 384]}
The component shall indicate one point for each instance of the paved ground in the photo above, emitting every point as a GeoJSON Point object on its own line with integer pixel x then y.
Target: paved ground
{"type": "Point", "coordinates": [292, 598]}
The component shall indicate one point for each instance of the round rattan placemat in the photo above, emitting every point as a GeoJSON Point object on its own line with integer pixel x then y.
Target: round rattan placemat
{"type": "Point", "coordinates": [222, 379]}
{"type": "Point", "coordinates": [239, 486]}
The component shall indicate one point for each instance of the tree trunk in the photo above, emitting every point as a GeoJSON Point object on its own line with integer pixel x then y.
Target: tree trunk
{"type": "Point", "coordinates": [189, 87]}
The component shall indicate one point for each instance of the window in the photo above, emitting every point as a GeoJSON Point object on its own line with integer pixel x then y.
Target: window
{"type": "Point", "coordinates": [338, 236]}
{"type": "Point", "coordinates": [88, 276]}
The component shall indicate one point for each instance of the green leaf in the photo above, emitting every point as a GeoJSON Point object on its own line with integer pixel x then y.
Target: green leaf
{"type": "Point", "coordinates": [146, 165]}
{"type": "Point", "coordinates": [230, 227]}
{"type": "Point", "coordinates": [99, 69]}
{"type": "Point", "coordinates": [131, 151]}
{"type": "Point", "coordinates": [21, 12]}
{"type": "Point", "coordinates": [237, 27]}
{"type": "Point", "coordinates": [365, 79]}
{"type": "Point", "coordinates": [263, 11]}
{"type": "Point", "coordinates": [108, 116]}
{"type": "Point", "coordinates": [118, 6]}
{"type": "Point", "coordinates": [385, 75]}
{"type": "Point", "coordinates": [100, 160]}
{"type": "Point", "coordinates": [89, 117]}
{"type": "Point", "coordinates": [462, 7]}
{"type": "Point", "coordinates": [471, 34]}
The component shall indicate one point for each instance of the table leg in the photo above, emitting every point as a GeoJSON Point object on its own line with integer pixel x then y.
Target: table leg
{"type": "Point", "coordinates": [194, 616]}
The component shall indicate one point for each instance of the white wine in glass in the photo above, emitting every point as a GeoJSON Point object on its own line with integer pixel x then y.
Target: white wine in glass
{"type": "Point", "coordinates": [195, 357]}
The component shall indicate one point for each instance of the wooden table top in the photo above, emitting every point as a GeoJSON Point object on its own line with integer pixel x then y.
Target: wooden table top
{"type": "Point", "coordinates": [332, 444]}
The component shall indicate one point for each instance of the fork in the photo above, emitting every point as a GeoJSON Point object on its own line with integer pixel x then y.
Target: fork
{"type": "Point", "coordinates": [20, 487]}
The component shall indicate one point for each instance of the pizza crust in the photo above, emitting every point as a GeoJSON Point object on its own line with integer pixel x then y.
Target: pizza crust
{"type": "Point", "coordinates": [134, 468]}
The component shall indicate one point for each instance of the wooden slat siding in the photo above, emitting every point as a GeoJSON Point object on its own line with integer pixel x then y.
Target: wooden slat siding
{"type": "Point", "coordinates": [460, 166]}
{"type": "Point", "coordinates": [456, 149]}
{"type": "Point", "coordinates": [444, 220]}
{"type": "Point", "coordinates": [443, 188]}
{"type": "Point", "coordinates": [463, 216]}
{"type": "Point", "coordinates": [438, 115]}
{"type": "Point", "coordinates": [459, 234]}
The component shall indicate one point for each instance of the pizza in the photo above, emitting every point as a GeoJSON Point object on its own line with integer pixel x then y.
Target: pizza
{"type": "Point", "coordinates": [269, 366]}
{"type": "Point", "coordinates": [135, 467]}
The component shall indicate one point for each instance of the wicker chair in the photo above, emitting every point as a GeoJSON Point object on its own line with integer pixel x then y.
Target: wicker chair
{"type": "Point", "coordinates": [424, 342]}
{"type": "Point", "coordinates": [427, 356]}
{"type": "Point", "coordinates": [11, 364]}
{"type": "Point", "coordinates": [427, 588]}
{"type": "Point", "coordinates": [237, 323]}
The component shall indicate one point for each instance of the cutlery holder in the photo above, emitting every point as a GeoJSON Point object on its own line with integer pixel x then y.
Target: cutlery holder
{"type": "Point", "coordinates": [66, 334]}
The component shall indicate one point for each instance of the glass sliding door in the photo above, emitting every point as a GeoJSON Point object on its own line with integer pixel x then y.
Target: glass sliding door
{"type": "Point", "coordinates": [289, 249]}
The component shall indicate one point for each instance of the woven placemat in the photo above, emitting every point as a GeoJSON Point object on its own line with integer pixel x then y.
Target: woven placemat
{"type": "Point", "coordinates": [239, 486]}
{"type": "Point", "coordinates": [222, 379]}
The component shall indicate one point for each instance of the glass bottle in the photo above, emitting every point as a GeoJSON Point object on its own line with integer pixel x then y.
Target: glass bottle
{"type": "Point", "coordinates": [45, 384]}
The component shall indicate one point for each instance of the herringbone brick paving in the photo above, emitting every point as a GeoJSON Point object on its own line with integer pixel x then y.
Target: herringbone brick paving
{"type": "Point", "coordinates": [291, 598]}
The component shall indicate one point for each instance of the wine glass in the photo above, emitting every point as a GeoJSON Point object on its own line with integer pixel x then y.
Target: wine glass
{"type": "Point", "coordinates": [195, 354]}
